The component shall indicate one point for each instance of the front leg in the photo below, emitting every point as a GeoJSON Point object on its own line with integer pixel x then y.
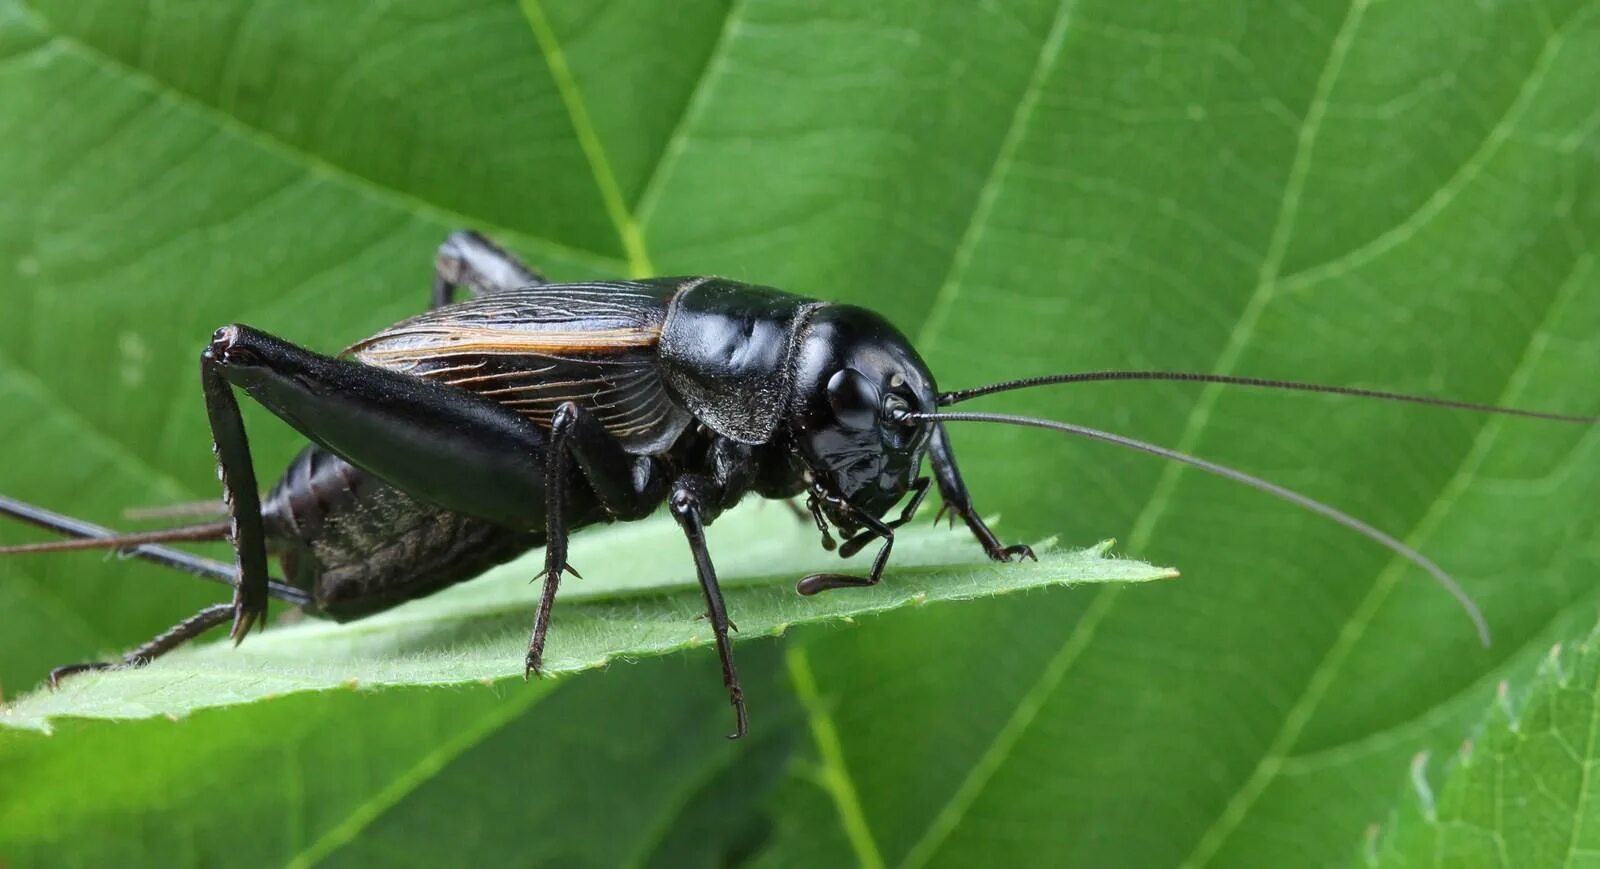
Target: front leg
{"type": "Point", "coordinates": [875, 527]}
{"type": "Point", "coordinates": [956, 498]}
{"type": "Point", "coordinates": [691, 495]}
{"type": "Point", "coordinates": [919, 491]}
{"type": "Point", "coordinates": [610, 472]}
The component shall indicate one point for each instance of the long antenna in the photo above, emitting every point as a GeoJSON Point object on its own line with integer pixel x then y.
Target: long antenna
{"type": "Point", "coordinates": [1304, 502]}
{"type": "Point", "coordinates": [960, 395]}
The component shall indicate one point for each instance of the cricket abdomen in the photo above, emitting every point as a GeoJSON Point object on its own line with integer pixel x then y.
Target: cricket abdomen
{"type": "Point", "coordinates": [360, 546]}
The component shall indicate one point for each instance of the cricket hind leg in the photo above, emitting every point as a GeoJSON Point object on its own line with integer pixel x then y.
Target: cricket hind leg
{"type": "Point", "coordinates": [195, 565]}
{"type": "Point", "coordinates": [236, 472]}
{"type": "Point", "coordinates": [173, 637]}
{"type": "Point", "coordinates": [688, 504]}
{"type": "Point", "coordinates": [443, 445]}
{"type": "Point", "coordinates": [446, 446]}
{"type": "Point", "coordinates": [468, 261]}
{"type": "Point", "coordinates": [159, 645]}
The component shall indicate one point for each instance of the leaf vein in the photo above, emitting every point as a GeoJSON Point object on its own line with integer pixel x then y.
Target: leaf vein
{"type": "Point", "coordinates": [1408, 732]}
{"type": "Point", "coordinates": [1585, 767]}
{"type": "Point", "coordinates": [693, 107]}
{"type": "Point", "coordinates": [628, 231]}
{"type": "Point", "coordinates": [657, 834]}
{"type": "Point", "coordinates": [1105, 599]}
{"type": "Point", "coordinates": [308, 161]}
{"type": "Point", "coordinates": [96, 437]}
{"type": "Point", "coordinates": [424, 770]}
{"type": "Point", "coordinates": [1299, 714]}
{"type": "Point", "coordinates": [835, 775]}
{"type": "Point", "coordinates": [945, 298]}
{"type": "Point", "coordinates": [1021, 718]}
{"type": "Point", "coordinates": [1441, 198]}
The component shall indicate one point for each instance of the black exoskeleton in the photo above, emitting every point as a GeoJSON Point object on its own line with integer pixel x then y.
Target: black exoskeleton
{"type": "Point", "coordinates": [467, 435]}
{"type": "Point", "coordinates": [460, 438]}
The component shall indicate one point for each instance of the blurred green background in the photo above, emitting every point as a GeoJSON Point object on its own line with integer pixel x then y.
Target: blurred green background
{"type": "Point", "coordinates": [1391, 193]}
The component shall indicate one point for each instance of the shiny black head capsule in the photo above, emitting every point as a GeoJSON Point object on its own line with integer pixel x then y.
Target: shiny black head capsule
{"type": "Point", "coordinates": [854, 377]}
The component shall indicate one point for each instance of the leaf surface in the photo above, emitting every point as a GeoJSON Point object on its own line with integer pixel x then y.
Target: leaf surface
{"type": "Point", "coordinates": [1295, 190]}
{"type": "Point", "coordinates": [636, 600]}
{"type": "Point", "coordinates": [353, 778]}
{"type": "Point", "coordinates": [1520, 792]}
{"type": "Point", "coordinates": [1361, 192]}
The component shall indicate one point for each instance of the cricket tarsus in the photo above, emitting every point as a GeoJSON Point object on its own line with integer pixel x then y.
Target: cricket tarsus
{"type": "Point", "coordinates": [162, 643]}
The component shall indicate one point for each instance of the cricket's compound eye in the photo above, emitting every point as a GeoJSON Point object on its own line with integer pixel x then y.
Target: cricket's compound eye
{"type": "Point", "coordinates": [854, 399]}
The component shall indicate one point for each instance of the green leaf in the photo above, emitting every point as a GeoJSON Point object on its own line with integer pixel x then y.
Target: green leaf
{"type": "Point", "coordinates": [1520, 792]}
{"type": "Point", "coordinates": [1344, 192]}
{"type": "Point", "coordinates": [637, 599]}
{"type": "Point", "coordinates": [1350, 191]}
{"type": "Point", "coordinates": [356, 778]}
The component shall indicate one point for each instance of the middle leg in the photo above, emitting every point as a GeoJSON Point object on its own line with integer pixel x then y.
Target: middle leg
{"type": "Point", "coordinates": [690, 496]}
{"type": "Point", "coordinates": [627, 486]}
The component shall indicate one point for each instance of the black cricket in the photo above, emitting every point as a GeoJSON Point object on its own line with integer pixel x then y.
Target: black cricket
{"type": "Point", "coordinates": [458, 439]}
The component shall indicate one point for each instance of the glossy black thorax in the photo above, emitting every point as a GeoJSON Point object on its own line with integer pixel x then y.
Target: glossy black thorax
{"type": "Point", "coordinates": [763, 391]}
